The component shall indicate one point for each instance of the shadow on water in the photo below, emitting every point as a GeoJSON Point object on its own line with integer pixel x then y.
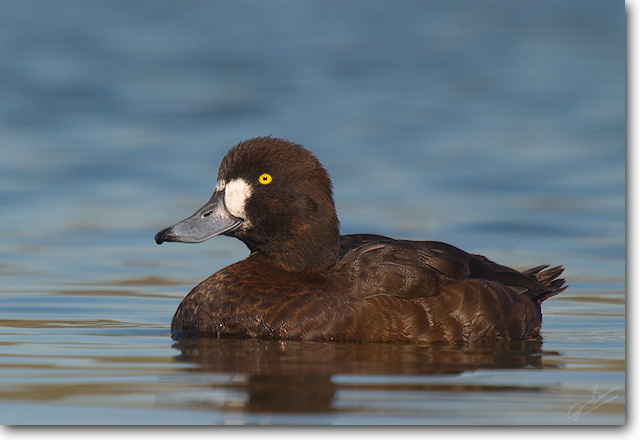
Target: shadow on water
{"type": "Point", "coordinates": [304, 377]}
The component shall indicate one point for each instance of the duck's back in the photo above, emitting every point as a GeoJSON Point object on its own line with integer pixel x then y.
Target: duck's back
{"type": "Point", "coordinates": [442, 293]}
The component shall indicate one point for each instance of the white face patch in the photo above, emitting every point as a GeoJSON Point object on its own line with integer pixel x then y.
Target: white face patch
{"type": "Point", "coordinates": [219, 186]}
{"type": "Point", "coordinates": [236, 194]}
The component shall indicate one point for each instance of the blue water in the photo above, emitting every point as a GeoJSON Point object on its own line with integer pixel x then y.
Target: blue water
{"type": "Point", "coordinates": [496, 126]}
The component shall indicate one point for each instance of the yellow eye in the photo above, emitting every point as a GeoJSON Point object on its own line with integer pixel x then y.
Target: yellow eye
{"type": "Point", "coordinates": [265, 179]}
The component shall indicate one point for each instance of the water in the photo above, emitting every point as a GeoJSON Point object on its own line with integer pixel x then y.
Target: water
{"type": "Point", "coordinates": [496, 126]}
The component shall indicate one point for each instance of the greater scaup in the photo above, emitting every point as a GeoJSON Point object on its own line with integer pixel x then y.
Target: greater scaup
{"type": "Point", "coordinates": [305, 281]}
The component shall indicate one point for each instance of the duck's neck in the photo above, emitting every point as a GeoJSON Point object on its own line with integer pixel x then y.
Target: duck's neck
{"type": "Point", "coordinates": [307, 248]}
{"type": "Point", "coordinates": [304, 255]}
{"type": "Point", "coordinates": [311, 254]}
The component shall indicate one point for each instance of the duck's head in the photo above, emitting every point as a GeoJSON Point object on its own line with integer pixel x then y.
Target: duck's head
{"type": "Point", "coordinates": [276, 197]}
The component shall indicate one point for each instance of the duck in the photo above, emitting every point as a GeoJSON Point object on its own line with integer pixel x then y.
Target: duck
{"type": "Point", "coordinates": [304, 281]}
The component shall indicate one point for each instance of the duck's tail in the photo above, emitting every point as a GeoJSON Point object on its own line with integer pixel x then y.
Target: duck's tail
{"type": "Point", "coordinates": [548, 277]}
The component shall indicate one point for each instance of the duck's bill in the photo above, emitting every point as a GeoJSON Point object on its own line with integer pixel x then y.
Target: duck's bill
{"type": "Point", "coordinates": [210, 220]}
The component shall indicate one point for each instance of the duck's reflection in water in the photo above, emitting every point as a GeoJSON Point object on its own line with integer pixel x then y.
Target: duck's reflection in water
{"type": "Point", "coordinates": [300, 377]}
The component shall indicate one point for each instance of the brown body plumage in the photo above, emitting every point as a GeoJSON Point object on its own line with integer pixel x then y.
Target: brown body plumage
{"type": "Point", "coordinates": [305, 281]}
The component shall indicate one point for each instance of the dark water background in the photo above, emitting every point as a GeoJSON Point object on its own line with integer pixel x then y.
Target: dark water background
{"type": "Point", "coordinates": [496, 126]}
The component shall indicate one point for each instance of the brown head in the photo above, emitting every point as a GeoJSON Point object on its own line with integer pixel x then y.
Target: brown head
{"type": "Point", "coordinates": [277, 198]}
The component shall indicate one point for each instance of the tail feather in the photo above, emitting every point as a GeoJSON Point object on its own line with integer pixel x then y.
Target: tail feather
{"type": "Point", "coordinates": [535, 270]}
{"type": "Point", "coordinates": [548, 277]}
